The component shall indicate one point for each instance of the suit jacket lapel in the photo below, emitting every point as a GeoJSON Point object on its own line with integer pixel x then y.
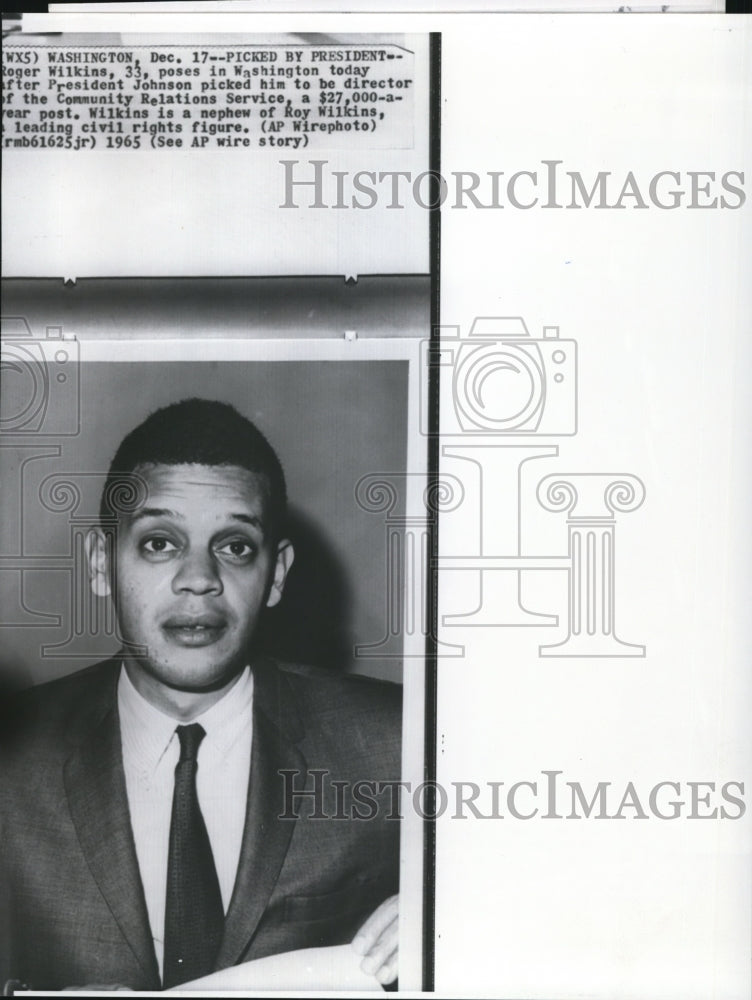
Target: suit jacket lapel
{"type": "Point", "coordinates": [266, 838]}
{"type": "Point", "coordinates": [97, 797]}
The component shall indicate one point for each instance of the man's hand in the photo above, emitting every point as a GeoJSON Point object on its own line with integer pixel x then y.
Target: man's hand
{"type": "Point", "coordinates": [377, 940]}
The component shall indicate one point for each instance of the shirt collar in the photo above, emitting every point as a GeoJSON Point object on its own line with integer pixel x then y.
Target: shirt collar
{"type": "Point", "coordinates": [226, 718]}
{"type": "Point", "coordinates": [147, 732]}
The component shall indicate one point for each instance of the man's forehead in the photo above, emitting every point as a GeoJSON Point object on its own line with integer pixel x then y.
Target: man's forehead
{"type": "Point", "coordinates": [210, 484]}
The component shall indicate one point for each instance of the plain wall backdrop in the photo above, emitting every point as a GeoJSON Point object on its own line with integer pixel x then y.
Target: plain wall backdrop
{"type": "Point", "coordinates": [331, 422]}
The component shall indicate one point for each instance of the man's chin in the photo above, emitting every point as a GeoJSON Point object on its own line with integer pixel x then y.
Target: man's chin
{"type": "Point", "coordinates": [192, 678]}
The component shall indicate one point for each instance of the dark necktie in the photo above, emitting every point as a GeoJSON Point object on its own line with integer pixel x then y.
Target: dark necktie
{"type": "Point", "coordinates": [194, 916]}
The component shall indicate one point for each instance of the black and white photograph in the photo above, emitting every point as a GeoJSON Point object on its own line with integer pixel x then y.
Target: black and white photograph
{"type": "Point", "coordinates": [187, 568]}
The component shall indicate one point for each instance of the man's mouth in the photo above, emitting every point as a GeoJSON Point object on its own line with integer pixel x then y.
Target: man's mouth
{"type": "Point", "coordinates": [194, 630]}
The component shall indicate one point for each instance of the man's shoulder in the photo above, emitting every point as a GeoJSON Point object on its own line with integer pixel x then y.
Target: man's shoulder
{"type": "Point", "coordinates": [47, 710]}
{"type": "Point", "coordinates": [348, 724]}
{"type": "Point", "coordinates": [340, 691]}
{"type": "Point", "coordinates": [346, 709]}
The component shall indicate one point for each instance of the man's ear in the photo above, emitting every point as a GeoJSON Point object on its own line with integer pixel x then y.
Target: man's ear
{"type": "Point", "coordinates": [285, 557]}
{"type": "Point", "coordinates": [98, 558]}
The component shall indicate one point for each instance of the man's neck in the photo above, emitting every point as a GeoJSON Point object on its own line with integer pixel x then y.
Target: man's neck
{"type": "Point", "coordinates": [183, 706]}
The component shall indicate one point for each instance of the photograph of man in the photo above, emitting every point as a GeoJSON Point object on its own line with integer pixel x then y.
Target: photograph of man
{"type": "Point", "coordinates": [191, 803]}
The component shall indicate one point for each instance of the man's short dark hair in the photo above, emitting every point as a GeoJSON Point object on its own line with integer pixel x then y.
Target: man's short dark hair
{"type": "Point", "coordinates": [196, 432]}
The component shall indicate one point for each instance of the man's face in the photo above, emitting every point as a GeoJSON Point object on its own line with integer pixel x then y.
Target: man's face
{"type": "Point", "coordinates": [194, 568]}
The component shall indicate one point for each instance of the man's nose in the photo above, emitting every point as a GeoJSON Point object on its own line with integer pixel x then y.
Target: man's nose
{"type": "Point", "coordinates": [197, 574]}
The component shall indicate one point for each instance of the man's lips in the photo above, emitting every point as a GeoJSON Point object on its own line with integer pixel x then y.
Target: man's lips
{"type": "Point", "coordinates": [205, 619]}
{"type": "Point", "coordinates": [194, 630]}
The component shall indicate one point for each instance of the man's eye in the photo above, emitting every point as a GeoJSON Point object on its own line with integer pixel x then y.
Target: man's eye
{"type": "Point", "coordinates": [158, 545]}
{"type": "Point", "coordinates": [237, 549]}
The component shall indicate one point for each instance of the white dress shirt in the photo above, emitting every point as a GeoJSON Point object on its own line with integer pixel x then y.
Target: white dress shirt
{"type": "Point", "coordinates": [150, 753]}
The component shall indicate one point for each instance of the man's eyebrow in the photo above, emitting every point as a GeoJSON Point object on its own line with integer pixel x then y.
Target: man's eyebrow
{"type": "Point", "coordinates": [251, 519]}
{"type": "Point", "coordinates": [256, 522]}
{"type": "Point", "coordinates": [155, 512]}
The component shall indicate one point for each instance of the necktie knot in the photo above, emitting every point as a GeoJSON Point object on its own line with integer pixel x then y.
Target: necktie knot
{"type": "Point", "coordinates": [190, 739]}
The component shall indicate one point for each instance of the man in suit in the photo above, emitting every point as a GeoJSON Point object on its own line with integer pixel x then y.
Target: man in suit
{"type": "Point", "coordinates": [191, 804]}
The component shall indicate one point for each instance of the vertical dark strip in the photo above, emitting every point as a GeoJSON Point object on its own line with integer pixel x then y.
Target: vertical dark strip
{"type": "Point", "coordinates": [434, 165]}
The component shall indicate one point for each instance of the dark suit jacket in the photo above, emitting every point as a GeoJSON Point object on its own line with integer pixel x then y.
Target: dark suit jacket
{"type": "Point", "coordinates": [75, 911]}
